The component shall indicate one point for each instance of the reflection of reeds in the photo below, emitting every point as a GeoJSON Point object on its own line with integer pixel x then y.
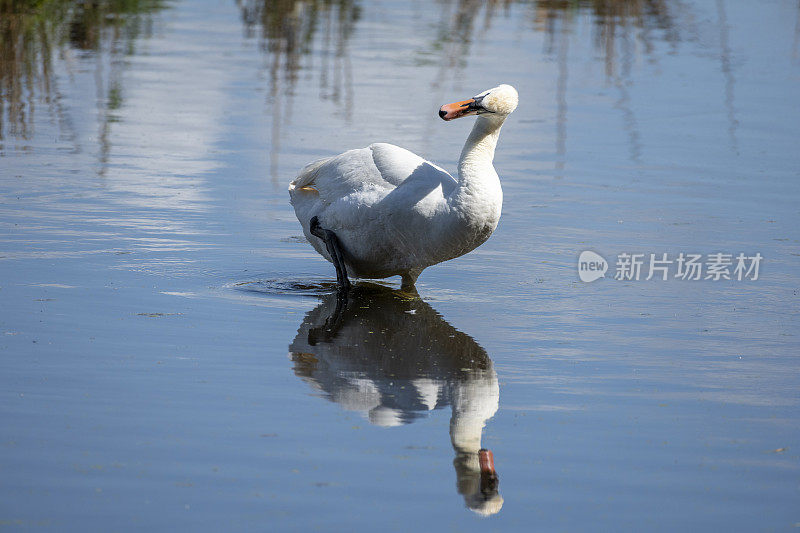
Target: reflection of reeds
{"type": "Point", "coordinates": [796, 44]}
{"type": "Point", "coordinates": [457, 30]}
{"type": "Point", "coordinates": [29, 32]}
{"type": "Point", "coordinates": [289, 30]}
{"type": "Point", "coordinates": [33, 31]}
{"type": "Point", "coordinates": [462, 20]}
{"type": "Point", "coordinates": [612, 20]}
{"type": "Point", "coordinates": [618, 26]}
{"type": "Point", "coordinates": [727, 72]}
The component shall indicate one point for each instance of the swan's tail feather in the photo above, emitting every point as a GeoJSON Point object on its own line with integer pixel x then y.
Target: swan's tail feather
{"type": "Point", "coordinates": [307, 176]}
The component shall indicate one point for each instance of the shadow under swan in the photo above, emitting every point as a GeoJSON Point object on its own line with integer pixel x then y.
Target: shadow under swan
{"type": "Point", "coordinates": [393, 358]}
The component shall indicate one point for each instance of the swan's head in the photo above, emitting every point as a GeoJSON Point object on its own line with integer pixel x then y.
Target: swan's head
{"type": "Point", "coordinates": [480, 488]}
{"type": "Point", "coordinates": [499, 102]}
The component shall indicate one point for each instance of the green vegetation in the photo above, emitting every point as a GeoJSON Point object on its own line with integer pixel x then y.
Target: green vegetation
{"type": "Point", "coordinates": [32, 32]}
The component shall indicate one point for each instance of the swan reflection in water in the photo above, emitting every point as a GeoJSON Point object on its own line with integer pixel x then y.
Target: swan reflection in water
{"type": "Point", "coordinates": [393, 358]}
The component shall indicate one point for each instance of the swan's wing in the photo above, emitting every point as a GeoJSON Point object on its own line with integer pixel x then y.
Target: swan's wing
{"type": "Point", "coordinates": [375, 170]}
{"type": "Point", "coordinates": [398, 164]}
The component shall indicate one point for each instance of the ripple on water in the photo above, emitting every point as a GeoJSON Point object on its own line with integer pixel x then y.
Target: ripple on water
{"type": "Point", "coordinates": [320, 286]}
{"type": "Point", "coordinates": [308, 286]}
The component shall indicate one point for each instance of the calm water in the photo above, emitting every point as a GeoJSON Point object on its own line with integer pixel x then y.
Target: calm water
{"type": "Point", "coordinates": [172, 355]}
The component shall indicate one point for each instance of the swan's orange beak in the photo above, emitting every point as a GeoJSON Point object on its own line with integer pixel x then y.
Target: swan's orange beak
{"type": "Point", "coordinates": [458, 109]}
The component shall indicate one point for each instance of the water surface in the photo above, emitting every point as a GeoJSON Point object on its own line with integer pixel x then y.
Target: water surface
{"type": "Point", "coordinates": [173, 354]}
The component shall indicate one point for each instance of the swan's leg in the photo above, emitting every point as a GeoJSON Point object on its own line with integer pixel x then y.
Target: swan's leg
{"type": "Point", "coordinates": [408, 280]}
{"type": "Point", "coordinates": [334, 250]}
{"type": "Point", "coordinates": [333, 324]}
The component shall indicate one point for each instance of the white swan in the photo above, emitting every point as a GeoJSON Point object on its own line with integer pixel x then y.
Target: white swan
{"type": "Point", "coordinates": [382, 211]}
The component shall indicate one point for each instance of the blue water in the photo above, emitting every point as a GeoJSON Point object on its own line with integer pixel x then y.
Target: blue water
{"type": "Point", "coordinates": [171, 352]}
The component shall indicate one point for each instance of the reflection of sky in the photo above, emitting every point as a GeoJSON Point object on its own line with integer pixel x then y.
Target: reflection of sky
{"type": "Point", "coordinates": [122, 176]}
{"type": "Point", "coordinates": [175, 104]}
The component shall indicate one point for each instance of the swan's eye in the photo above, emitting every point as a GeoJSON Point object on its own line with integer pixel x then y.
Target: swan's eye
{"type": "Point", "coordinates": [477, 104]}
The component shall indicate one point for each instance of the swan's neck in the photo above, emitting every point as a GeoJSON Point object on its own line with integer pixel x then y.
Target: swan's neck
{"type": "Point", "coordinates": [478, 195]}
{"type": "Point", "coordinates": [474, 401]}
{"type": "Point", "coordinates": [478, 151]}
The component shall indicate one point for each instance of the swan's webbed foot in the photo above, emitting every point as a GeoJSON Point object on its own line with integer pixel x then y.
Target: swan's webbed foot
{"type": "Point", "coordinates": [334, 248]}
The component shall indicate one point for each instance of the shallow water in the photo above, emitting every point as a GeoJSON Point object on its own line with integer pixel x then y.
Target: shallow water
{"type": "Point", "coordinates": [174, 356]}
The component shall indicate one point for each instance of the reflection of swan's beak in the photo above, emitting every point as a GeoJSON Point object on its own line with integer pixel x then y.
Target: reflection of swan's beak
{"type": "Point", "coordinates": [459, 109]}
{"type": "Point", "coordinates": [489, 479]}
{"type": "Point", "coordinates": [486, 500]}
{"type": "Point", "coordinates": [486, 459]}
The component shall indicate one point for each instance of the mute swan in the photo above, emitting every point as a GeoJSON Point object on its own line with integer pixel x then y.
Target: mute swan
{"type": "Point", "coordinates": [382, 211]}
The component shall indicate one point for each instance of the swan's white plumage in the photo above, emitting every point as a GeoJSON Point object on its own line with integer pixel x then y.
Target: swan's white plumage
{"type": "Point", "coordinates": [396, 213]}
